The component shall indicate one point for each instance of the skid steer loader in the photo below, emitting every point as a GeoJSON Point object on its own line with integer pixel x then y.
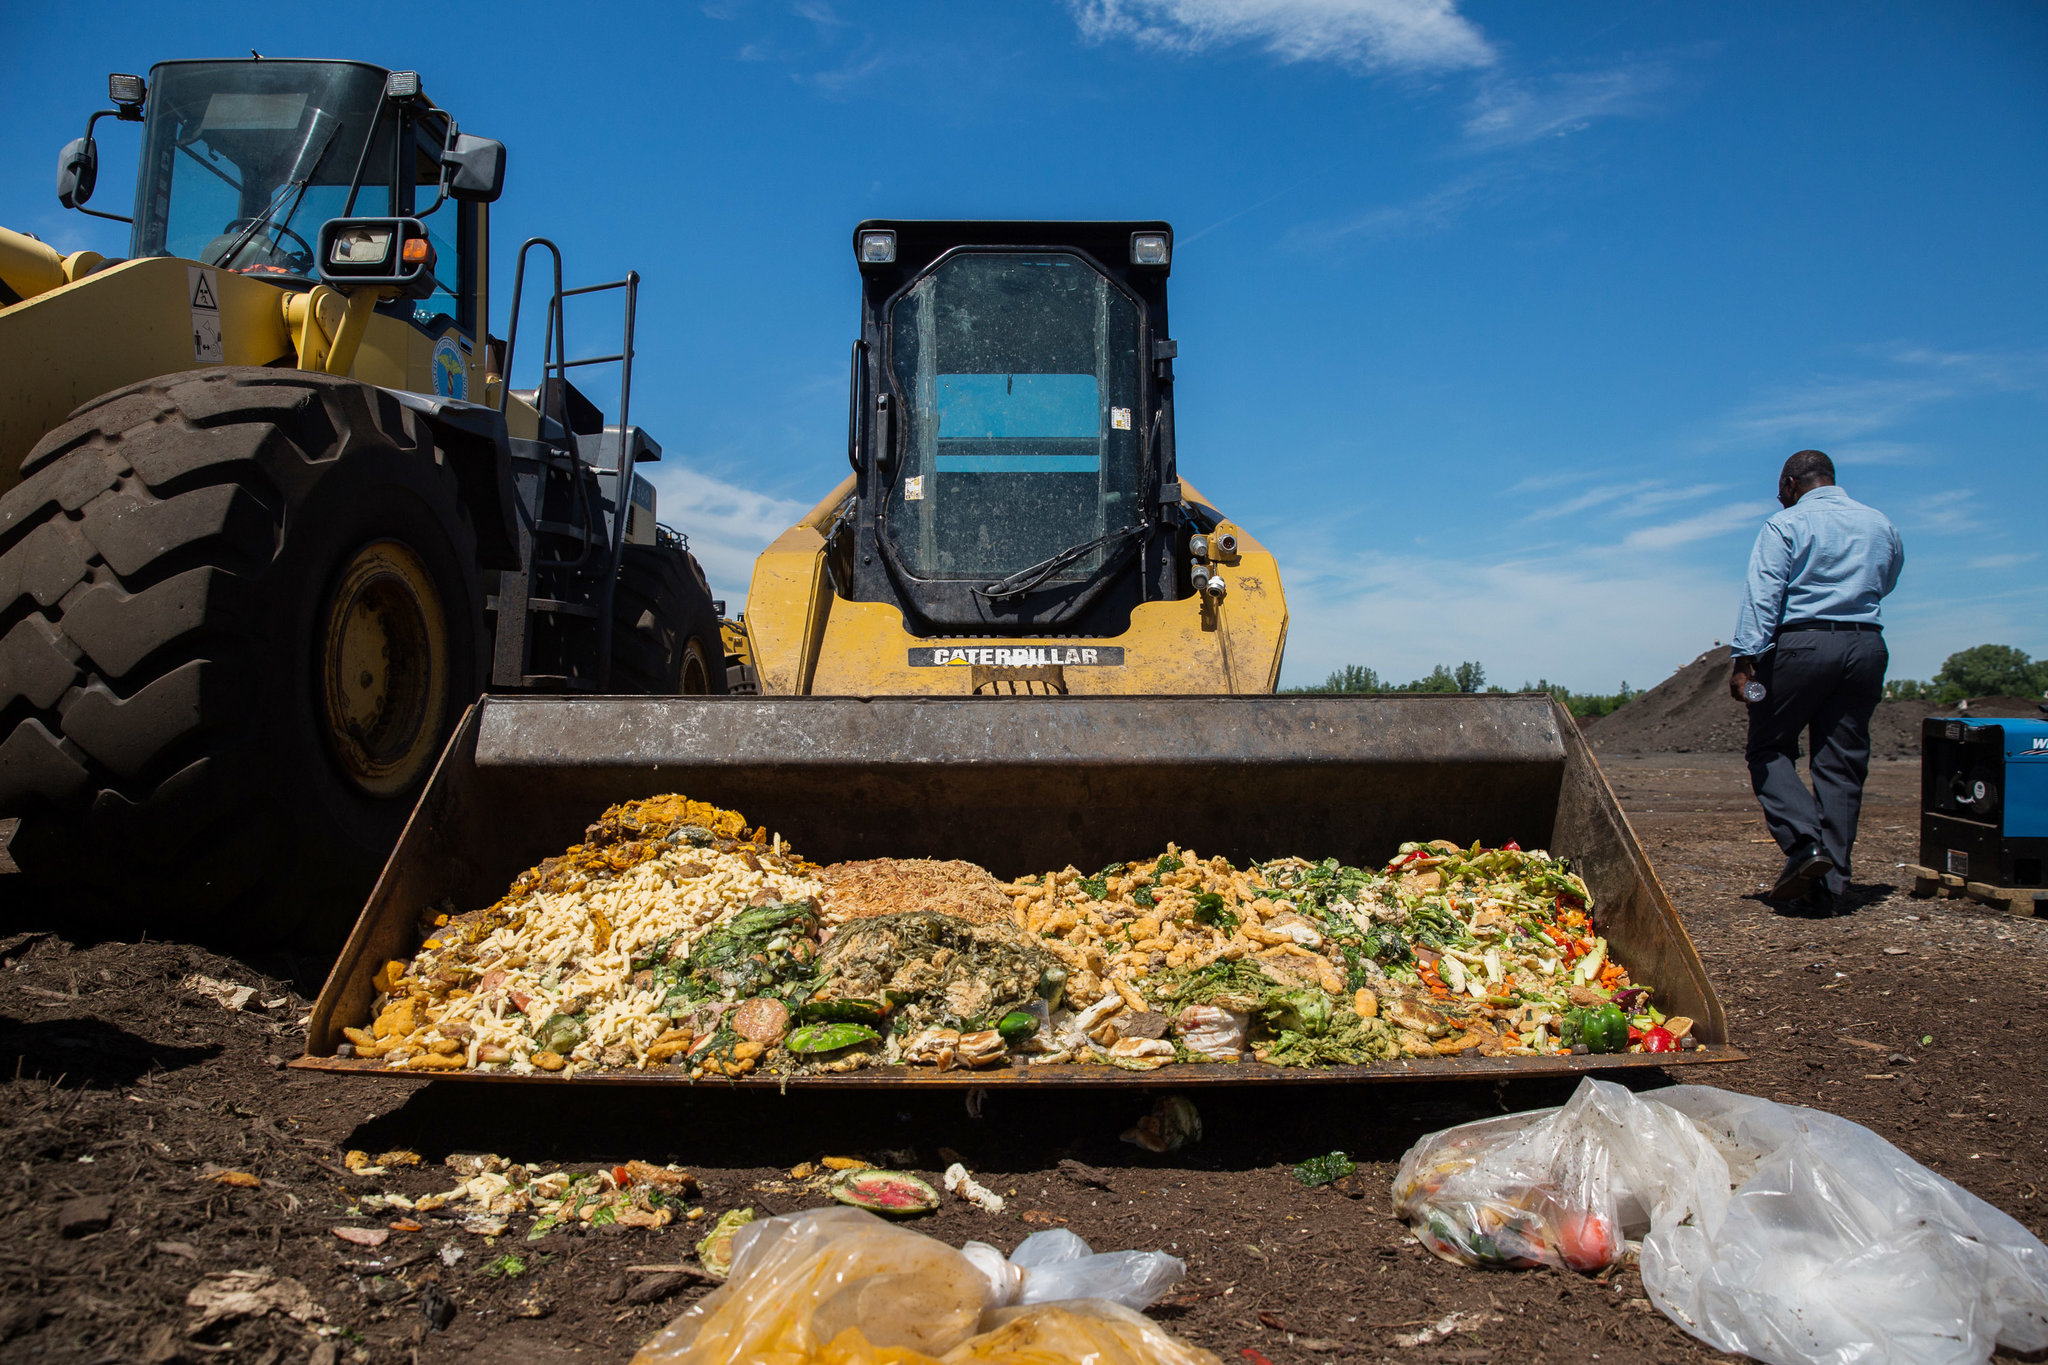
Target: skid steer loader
{"type": "Point", "coordinates": [1015, 522]}
{"type": "Point", "coordinates": [271, 517]}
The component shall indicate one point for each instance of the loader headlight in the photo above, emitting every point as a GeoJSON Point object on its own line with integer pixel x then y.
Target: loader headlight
{"type": "Point", "coordinates": [361, 246]}
{"type": "Point", "coordinates": [877, 248]}
{"type": "Point", "coordinates": [1149, 248]}
{"type": "Point", "coordinates": [127, 93]}
{"type": "Point", "coordinates": [402, 85]}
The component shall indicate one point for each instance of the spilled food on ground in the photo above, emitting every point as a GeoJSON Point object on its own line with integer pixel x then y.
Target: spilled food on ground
{"type": "Point", "coordinates": [676, 937]}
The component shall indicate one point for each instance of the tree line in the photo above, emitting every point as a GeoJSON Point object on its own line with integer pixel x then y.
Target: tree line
{"type": "Point", "coordinates": [1469, 676]}
{"type": "Point", "coordinates": [1979, 671]}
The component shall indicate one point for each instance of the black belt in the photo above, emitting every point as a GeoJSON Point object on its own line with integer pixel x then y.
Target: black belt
{"type": "Point", "coordinates": [1870, 626]}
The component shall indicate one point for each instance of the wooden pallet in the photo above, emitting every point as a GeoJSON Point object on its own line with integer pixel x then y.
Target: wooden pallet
{"type": "Point", "coordinates": [2014, 900]}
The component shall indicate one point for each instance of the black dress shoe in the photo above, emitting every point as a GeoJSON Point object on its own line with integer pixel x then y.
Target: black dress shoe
{"type": "Point", "coordinates": [1804, 867]}
{"type": "Point", "coordinates": [1820, 902]}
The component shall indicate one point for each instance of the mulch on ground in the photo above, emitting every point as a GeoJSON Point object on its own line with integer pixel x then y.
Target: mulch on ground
{"type": "Point", "coordinates": [128, 1096]}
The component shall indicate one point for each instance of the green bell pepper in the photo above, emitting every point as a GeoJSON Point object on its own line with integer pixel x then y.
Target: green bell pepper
{"type": "Point", "coordinates": [1603, 1028]}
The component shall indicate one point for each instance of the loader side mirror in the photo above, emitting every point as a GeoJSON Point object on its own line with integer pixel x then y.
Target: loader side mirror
{"type": "Point", "coordinates": [475, 168]}
{"type": "Point", "coordinates": [78, 170]}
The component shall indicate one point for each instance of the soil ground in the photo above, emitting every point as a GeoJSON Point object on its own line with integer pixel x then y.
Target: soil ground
{"type": "Point", "coordinates": [122, 1086]}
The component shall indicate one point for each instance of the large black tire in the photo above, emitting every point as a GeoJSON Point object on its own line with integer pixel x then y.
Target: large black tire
{"type": "Point", "coordinates": [664, 631]}
{"type": "Point", "coordinates": [172, 569]}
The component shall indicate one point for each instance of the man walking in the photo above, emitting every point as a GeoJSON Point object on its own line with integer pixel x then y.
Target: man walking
{"type": "Point", "coordinates": [1810, 657]}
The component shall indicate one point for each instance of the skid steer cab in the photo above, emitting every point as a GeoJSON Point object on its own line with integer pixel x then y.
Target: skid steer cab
{"type": "Point", "coordinates": [1016, 520]}
{"type": "Point", "coordinates": [271, 516]}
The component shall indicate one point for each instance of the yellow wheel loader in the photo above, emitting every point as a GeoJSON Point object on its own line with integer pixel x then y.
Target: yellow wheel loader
{"type": "Point", "coordinates": [269, 517]}
{"type": "Point", "coordinates": [1015, 521]}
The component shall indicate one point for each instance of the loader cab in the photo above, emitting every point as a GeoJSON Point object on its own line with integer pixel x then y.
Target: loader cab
{"type": "Point", "coordinates": [1011, 428]}
{"type": "Point", "coordinates": [243, 161]}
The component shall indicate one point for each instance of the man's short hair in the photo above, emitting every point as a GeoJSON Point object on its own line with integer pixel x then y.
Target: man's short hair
{"type": "Point", "coordinates": [1810, 464]}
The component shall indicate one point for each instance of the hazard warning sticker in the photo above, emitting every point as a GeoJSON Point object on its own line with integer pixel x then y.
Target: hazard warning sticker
{"type": "Point", "coordinates": [203, 288]}
{"type": "Point", "coordinates": [1018, 656]}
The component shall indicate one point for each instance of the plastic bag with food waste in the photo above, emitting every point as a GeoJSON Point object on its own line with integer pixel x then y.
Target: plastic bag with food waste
{"type": "Point", "coordinates": [1561, 1187]}
{"type": "Point", "coordinates": [842, 1287]}
{"type": "Point", "coordinates": [1212, 1030]}
{"type": "Point", "coordinates": [1768, 1229]}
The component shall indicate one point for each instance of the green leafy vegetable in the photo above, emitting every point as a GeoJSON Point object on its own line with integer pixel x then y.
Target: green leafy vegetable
{"type": "Point", "coordinates": [737, 960]}
{"type": "Point", "coordinates": [1098, 885]}
{"type": "Point", "coordinates": [1322, 1170]}
{"type": "Point", "coordinates": [561, 1033]}
{"type": "Point", "coordinates": [1210, 910]}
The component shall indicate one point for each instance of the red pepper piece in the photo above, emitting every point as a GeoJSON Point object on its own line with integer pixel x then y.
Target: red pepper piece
{"type": "Point", "coordinates": [1660, 1039]}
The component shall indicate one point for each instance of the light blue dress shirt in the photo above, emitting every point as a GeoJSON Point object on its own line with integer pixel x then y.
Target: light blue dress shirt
{"type": "Point", "coordinates": [1827, 557]}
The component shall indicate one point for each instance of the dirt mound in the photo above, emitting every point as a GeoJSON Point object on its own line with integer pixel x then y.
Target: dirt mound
{"type": "Point", "coordinates": [1688, 712]}
{"type": "Point", "coordinates": [1691, 712]}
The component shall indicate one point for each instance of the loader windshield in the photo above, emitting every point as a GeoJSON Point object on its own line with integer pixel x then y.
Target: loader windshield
{"type": "Point", "coordinates": [243, 161]}
{"type": "Point", "coordinates": [1019, 381]}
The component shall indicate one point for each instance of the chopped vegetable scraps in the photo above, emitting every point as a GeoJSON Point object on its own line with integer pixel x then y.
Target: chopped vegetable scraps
{"type": "Point", "coordinates": [674, 937]}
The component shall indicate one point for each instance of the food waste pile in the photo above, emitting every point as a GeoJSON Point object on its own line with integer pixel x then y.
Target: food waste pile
{"type": "Point", "coordinates": [676, 937]}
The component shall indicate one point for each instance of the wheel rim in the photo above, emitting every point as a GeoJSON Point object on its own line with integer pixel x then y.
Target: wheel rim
{"type": "Point", "coordinates": [384, 668]}
{"type": "Point", "coordinates": [696, 675]}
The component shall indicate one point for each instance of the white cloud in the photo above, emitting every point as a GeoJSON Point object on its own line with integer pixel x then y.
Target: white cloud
{"type": "Point", "coordinates": [1850, 453]}
{"type": "Point", "coordinates": [1947, 510]}
{"type": "Point", "coordinates": [1624, 499]}
{"type": "Point", "coordinates": [1509, 111]}
{"type": "Point", "coordinates": [1431, 212]}
{"type": "Point", "coordinates": [1402, 35]}
{"type": "Point", "coordinates": [728, 525]}
{"type": "Point", "coordinates": [1591, 575]}
{"type": "Point", "coordinates": [1588, 621]}
{"type": "Point", "coordinates": [1836, 408]}
{"type": "Point", "coordinates": [1704, 526]}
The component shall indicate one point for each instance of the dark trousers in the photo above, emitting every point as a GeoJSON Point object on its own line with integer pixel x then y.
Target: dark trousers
{"type": "Point", "coordinates": [1824, 684]}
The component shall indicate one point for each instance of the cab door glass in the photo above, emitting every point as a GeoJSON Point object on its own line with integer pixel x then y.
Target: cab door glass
{"type": "Point", "coordinates": [443, 308]}
{"type": "Point", "coordinates": [1019, 379]}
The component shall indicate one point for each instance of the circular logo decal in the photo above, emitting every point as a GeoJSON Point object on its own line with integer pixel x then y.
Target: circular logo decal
{"type": "Point", "coordinates": [451, 369]}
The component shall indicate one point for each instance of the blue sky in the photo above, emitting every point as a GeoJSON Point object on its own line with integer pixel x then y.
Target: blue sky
{"type": "Point", "coordinates": [1496, 320]}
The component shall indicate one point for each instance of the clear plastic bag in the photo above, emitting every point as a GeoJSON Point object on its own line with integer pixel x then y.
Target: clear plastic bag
{"type": "Point", "coordinates": [1058, 1265]}
{"type": "Point", "coordinates": [840, 1286]}
{"type": "Point", "coordinates": [1836, 1248]}
{"type": "Point", "coordinates": [1561, 1187]}
{"type": "Point", "coordinates": [1769, 1230]}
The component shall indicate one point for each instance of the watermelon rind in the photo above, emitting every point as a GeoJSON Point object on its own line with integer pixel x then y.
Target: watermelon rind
{"type": "Point", "coordinates": [896, 1193]}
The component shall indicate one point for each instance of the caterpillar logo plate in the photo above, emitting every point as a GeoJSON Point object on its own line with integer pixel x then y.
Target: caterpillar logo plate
{"type": "Point", "coordinates": [1017, 656]}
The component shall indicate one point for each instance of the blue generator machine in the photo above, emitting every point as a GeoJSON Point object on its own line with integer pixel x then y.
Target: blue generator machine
{"type": "Point", "coordinates": [1984, 800]}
